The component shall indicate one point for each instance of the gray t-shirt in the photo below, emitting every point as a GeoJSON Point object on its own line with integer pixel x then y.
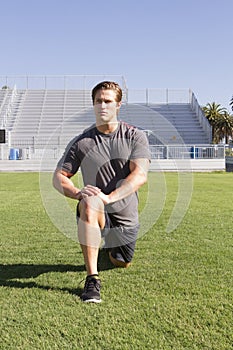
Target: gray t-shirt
{"type": "Point", "coordinates": [104, 162]}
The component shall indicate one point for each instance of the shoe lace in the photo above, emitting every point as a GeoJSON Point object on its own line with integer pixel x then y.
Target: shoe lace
{"type": "Point", "coordinates": [90, 284]}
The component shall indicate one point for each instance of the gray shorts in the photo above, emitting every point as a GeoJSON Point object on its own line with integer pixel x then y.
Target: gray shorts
{"type": "Point", "coordinates": [119, 240]}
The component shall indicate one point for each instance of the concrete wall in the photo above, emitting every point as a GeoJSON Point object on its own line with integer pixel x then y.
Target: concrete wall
{"type": "Point", "coordinates": [187, 165]}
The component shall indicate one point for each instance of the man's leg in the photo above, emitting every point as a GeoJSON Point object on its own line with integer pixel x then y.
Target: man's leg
{"type": "Point", "coordinates": [118, 263]}
{"type": "Point", "coordinates": [121, 252]}
{"type": "Point", "coordinates": [91, 220]}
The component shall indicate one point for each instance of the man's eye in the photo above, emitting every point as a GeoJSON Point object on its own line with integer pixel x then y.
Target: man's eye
{"type": "Point", "coordinates": [106, 102]}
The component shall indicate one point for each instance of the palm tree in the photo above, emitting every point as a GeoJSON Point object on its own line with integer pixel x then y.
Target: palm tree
{"type": "Point", "coordinates": [224, 127]}
{"type": "Point", "coordinates": [213, 113]}
{"type": "Point", "coordinates": [231, 103]}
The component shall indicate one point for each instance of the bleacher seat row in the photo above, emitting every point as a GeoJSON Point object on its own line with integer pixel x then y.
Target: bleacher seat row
{"type": "Point", "coordinates": [36, 116]}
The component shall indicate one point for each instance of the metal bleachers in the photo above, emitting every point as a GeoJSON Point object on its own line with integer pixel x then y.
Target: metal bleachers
{"type": "Point", "coordinates": [185, 122]}
{"type": "Point", "coordinates": [36, 117]}
{"type": "Point", "coordinates": [36, 114]}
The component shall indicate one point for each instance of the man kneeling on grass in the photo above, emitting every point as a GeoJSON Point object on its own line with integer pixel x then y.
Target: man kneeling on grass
{"type": "Point", "coordinates": [114, 159]}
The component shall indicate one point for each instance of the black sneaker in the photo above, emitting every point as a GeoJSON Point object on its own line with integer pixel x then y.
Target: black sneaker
{"type": "Point", "coordinates": [91, 293]}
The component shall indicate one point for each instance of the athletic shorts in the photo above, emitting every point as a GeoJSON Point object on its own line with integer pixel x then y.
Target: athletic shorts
{"type": "Point", "coordinates": [119, 240]}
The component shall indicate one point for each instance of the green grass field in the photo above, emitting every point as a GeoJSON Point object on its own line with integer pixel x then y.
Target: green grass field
{"type": "Point", "coordinates": [176, 295]}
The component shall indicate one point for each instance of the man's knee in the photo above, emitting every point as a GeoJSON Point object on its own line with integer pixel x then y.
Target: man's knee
{"type": "Point", "coordinates": [90, 205]}
{"type": "Point", "coordinates": [91, 210]}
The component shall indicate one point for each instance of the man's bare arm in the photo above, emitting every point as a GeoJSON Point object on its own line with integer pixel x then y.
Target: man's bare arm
{"type": "Point", "coordinates": [63, 184]}
{"type": "Point", "coordinates": [136, 178]}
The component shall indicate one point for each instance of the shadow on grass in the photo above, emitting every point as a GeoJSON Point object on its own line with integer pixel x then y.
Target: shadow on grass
{"type": "Point", "coordinates": [10, 274]}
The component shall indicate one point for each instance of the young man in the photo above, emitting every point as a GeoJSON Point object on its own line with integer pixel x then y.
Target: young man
{"type": "Point", "coordinates": [114, 159]}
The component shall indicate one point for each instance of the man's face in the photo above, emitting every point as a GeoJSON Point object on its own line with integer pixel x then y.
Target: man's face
{"type": "Point", "coordinates": [105, 107]}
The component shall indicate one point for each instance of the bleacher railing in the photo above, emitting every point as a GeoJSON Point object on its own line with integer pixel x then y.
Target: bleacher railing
{"type": "Point", "coordinates": [159, 96]}
{"type": "Point", "coordinates": [187, 151]}
{"type": "Point", "coordinates": [201, 117]}
{"type": "Point", "coordinates": [57, 82]}
{"type": "Point", "coordinates": [33, 150]}
{"type": "Point", "coordinates": [86, 82]}
{"type": "Point", "coordinates": [6, 105]}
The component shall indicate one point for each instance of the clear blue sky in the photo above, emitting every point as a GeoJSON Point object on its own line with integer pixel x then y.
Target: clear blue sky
{"type": "Point", "coordinates": [152, 43]}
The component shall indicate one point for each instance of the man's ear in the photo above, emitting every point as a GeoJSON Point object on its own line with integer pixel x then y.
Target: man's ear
{"type": "Point", "coordinates": [119, 104]}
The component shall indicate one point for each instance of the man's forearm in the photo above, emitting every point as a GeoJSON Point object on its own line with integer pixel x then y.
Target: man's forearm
{"type": "Point", "coordinates": [136, 178]}
{"type": "Point", "coordinates": [128, 186]}
{"type": "Point", "coordinates": [65, 186]}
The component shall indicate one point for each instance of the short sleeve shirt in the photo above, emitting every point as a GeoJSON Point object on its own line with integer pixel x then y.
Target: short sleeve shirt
{"type": "Point", "coordinates": [104, 162]}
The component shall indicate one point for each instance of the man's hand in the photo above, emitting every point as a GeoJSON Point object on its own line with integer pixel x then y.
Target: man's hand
{"type": "Point", "coordinates": [104, 197]}
{"type": "Point", "coordinates": [88, 191]}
